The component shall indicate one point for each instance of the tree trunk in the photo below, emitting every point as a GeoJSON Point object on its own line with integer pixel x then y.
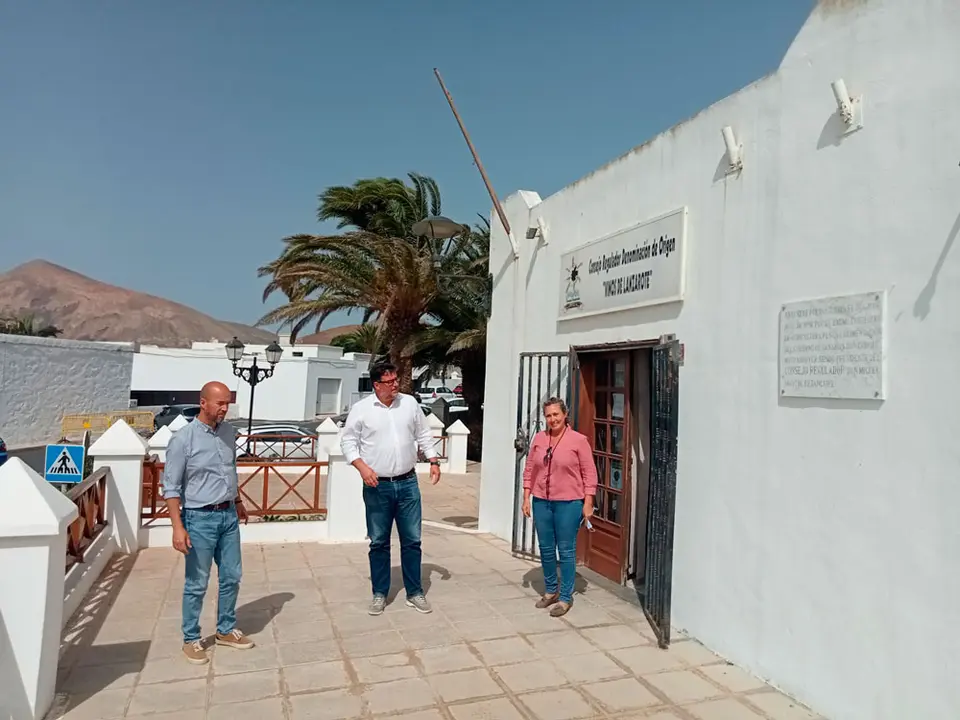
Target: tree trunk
{"type": "Point", "coordinates": [473, 365]}
{"type": "Point", "coordinates": [398, 332]}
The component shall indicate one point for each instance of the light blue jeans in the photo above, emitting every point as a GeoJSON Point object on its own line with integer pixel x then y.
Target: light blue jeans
{"type": "Point", "coordinates": [557, 523]}
{"type": "Point", "coordinates": [214, 537]}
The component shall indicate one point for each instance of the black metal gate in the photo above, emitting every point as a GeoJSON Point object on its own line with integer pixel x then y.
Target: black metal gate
{"type": "Point", "coordinates": [658, 573]}
{"type": "Point", "coordinates": [542, 376]}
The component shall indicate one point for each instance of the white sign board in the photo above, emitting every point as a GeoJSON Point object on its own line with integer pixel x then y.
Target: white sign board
{"type": "Point", "coordinates": [642, 265]}
{"type": "Point", "coordinates": [833, 347]}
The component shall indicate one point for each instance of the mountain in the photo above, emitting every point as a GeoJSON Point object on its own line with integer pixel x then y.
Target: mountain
{"type": "Point", "coordinates": [87, 309]}
{"type": "Point", "coordinates": [325, 336]}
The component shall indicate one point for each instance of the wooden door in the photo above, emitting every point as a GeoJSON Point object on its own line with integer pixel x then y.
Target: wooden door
{"type": "Point", "coordinates": [609, 395]}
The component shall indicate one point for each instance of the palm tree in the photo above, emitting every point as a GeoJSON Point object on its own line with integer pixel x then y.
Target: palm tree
{"type": "Point", "coordinates": [378, 266]}
{"type": "Point", "coordinates": [27, 324]}
{"type": "Point", "coordinates": [365, 339]}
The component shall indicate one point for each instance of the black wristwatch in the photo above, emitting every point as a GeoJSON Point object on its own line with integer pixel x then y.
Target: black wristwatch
{"type": "Point", "coordinates": [435, 462]}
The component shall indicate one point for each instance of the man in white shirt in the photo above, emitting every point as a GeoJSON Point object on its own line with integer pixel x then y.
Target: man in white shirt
{"type": "Point", "coordinates": [380, 439]}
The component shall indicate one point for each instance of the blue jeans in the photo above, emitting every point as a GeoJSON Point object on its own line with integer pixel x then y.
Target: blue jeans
{"type": "Point", "coordinates": [388, 502]}
{"type": "Point", "coordinates": [214, 537]}
{"type": "Point", "coordinates": [557, 523]}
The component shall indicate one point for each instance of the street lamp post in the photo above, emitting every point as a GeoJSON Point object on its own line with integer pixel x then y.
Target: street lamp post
{"type": "Point", "coordinates": [254, 374]}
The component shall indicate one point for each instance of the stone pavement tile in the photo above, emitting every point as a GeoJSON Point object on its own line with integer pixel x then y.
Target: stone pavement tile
{"type": "Point", "coordinates": [646, 659]}
{"type": "Point", "coordinates": [302, 653]}
{"type": "Point", "coordinates": [470, 609]}
{"type": "Point", "coordinates": [427, 637]}
{"type": "Point", "coordinates": [496, 709]}
{"type": "Point", "coordinates": [447, 658]}
{"type": "Point", "coordinates": [169, 697]}
{"type": "Point", "coordinates": [683, 686]}
{"type": "Point", "coordinates": [385, 668]}
{"type": "Point", "coordinates": [384, 642]}
{"type": "Point", "coordinates": [695, 654]}
{"type": "Point", "coordinates": [780, 707]}
{"type": "Point", "coordinates": [176, 715]}
{"type": "Point", "coordinates": [293, 631]}
{"type": "Point", "coordinates": [300, 572]}
{"type": "Point", "coordinates": [538, 621]}
{"type": "Point", "coordinates": [496, 593]}
{"type": "Point", "coordinates": [662, 715]}
{"type": "Point", "coordinates": [411, 620]}
{"type": "Point", "coordinates": [526, 676]}
{"type": "Point", "coordinates": [621, 695]}
{"type": "Point", "coordinates": [331, 705]}
{"type": "Point", "coordinates": [432, 714]}
{"type": "Point", "coordinates": [316, 676]}
{"type": "Point", "coordinates": [105, 705]}
{"type": "Point", "coordinates": [732, 678]}
{"type": "Point", "coordinates": [113, 654]}
{"type": "Point", "coordinates": [563, 704]}
{"type": "Point", "coordinates": [614, 637]}
{"type": "Point", "coordinates": [465, 685]}
{"type": "Point", "coordinates": [485, 629]}
{"type": "Point", "coordinates": [171, 669]}
{"type": "Point", "coordinates": [245, 687]}
{"type": "Point", "coordinates": [97, 678]}
{"type": "Point", "coordinates": [268, 709]}
{"type": "Point", "coordinates": [505, 650]}
{"type": "Point", "coordinates": [582, 615]}
{"type": "Point", "coordinates": [410, 694]}
{"type": "Point", "coordinates": [726, 709]}
{"type": "Point", "coordinates": [561, 644]}
{"type": "Point", "coordinates": [348, 625]}
{"type": "Point", "coordinates": [589, 667]}
{"type": "Point", "coordinates": [227, 661]}
{"type": "Point", "coordinates": [516, 606]}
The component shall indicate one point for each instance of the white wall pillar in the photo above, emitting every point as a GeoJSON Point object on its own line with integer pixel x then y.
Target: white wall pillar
{"type": "Point", "coordinates": [158, 442]}
{"type": "Point", "coordinates": [457, 435]}
{"type": "Point", "coordinates": [346, 515]}
{"type": "Point", "coordinates": [328, 440]}
{"type": "Point", "coordinates": [178, 422]}
{"type": "Point", "coordinates": [123, 451]}
{"type": "Point", "coordinates": [436, 429]}
{"type": "Point", "coordinates": [34, 517]}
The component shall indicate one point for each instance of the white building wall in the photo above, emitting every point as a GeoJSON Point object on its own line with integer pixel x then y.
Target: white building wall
{"type": "Point", "coordinates": [41, 379]}
{"type": "Point", "coordinates": [815, 540]}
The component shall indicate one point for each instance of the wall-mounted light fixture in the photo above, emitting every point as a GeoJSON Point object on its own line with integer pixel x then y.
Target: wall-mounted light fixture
{"type": "Point", "coordinates": [540, 231]}
{"type": "Point", "coordinates": [734, 151]}
{"type": "Point", "coordinates": [850, 108]}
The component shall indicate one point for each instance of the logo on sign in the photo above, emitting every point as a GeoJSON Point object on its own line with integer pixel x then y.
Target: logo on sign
{"type": "Point", "coordinates": [573, 280]}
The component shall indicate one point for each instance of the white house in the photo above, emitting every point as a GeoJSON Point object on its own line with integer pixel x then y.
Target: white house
{"type": "Point", "coordinates": [310, 381]}
{"type": "Point", "coordinates": [753, 317]}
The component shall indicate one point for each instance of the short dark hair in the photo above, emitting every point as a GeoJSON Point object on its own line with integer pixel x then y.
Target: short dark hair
{"type": "Point", "coordinates": [380, 369]}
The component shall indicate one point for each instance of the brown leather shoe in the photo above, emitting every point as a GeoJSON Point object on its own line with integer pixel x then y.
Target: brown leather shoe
{"type": "Point", "coordinates": [235, 639]}
{"type": "Point", "coordinates": [194, 653]}
{"type": "Point", "coordinates": [559, 609]}
{"type": "Point", "coordinates": [547, 600]}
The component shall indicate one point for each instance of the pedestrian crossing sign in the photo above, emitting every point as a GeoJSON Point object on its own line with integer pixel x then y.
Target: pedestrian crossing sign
{"type": "Point", "coordinates": [64, 463]}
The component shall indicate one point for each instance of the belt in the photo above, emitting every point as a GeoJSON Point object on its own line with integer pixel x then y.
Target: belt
{"type": "Point", "coordinates": [394, 478]}
{"type": "Point", "coordinates": [213, 508]}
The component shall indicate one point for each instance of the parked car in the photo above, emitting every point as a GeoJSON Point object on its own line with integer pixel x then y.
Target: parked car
{"type": "Point", "coordinates": [3, 451]}
{"type": "Point", "coordinates": [458, 390]}
{"type": "Point", "coordinates": [277, 442]}
{"type": "Point", "coordinates": [428, 395]}
{"type": "Point", "coordinates": [169, 413]}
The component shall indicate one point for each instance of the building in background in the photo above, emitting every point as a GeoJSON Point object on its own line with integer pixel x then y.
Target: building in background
{"type": "Point", "coordinates": [753, 317]}
{"type": "Point", "coordinates": [43, 379]}
{"type": "Point", "coordinates": [310, 381]}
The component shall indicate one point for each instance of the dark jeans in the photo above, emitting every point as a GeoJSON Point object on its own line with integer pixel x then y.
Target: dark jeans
{"type": "Point", "coordinates": [214, 537]}
{"type": "Point", "coordinates": [557, 523]}
{"type": "Point", "coordinates": [388, 502]}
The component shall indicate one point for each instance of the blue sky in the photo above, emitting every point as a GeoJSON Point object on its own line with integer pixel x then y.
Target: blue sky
{"type": "Point", "coordinates": [168, 146]}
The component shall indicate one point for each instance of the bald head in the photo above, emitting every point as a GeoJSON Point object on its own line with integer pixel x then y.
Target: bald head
{"type": "Point", "coordinates": [214, 402]}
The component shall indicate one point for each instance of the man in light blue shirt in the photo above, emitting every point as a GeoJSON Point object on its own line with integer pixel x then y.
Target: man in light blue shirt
{"type": "Point", "coordinates": [200, 487]}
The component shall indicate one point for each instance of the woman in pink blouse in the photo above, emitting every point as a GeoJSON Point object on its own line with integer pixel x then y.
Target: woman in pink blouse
{"type": "Point", "coordinates": [561, 479]}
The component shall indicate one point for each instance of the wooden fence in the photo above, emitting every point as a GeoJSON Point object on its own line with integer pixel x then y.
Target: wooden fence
{"type": "Point", "coordinates": [90, 497]}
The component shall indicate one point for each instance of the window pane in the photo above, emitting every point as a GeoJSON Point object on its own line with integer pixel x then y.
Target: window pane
{"type": "Point", "coordinates": [598, 503]}
{"type": "Point", "coordinates": [601, 405]}
{"type": "Point", "coordinates": [616, 475]}
{"type": "Point", "coordinates": [600, 436]}
{"type": "Point", "coordinates": [619, 373]}
{"type": "Point", "coordinates": [603, 373]}
{"type": "Point", "coordinates": [613, 509]}
{"type": "Point", "coordinates": [601, 469]}
{"type": "Point", "coordinates": [616, 412]}
{"type": "Point", "coordinates": [616, 439]}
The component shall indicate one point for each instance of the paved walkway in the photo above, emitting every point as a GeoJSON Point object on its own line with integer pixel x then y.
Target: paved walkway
{"type": "Point", "coordinates": [485, 652]}
{"type": "Point", "coordinates": [455, 500]}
